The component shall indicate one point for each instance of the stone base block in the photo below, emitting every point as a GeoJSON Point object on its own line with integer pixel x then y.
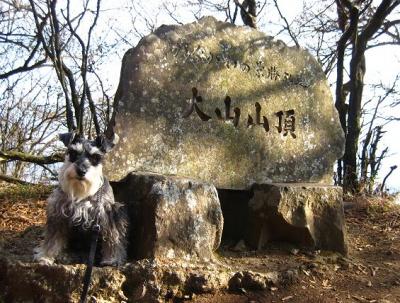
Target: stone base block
{"type": "Point", "coordinates": [144, 281]}
{"type": "Point", "coordinates": [171, 217]}
{"type": "Point", "coordinates": [310, 215]}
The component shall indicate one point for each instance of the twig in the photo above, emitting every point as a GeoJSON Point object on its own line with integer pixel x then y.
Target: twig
{"type": "Point", "coordinates": [392, 168]}
{"type": "Point", "coordinates": [13, 180]}
{"type": "Point", "coordinates": [287, 25]}
{"type": "Point", "coordinates": [6, 156]}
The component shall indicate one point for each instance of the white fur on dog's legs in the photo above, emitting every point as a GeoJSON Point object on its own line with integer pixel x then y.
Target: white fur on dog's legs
{"type": "Point", "coordinates": [52, 245]}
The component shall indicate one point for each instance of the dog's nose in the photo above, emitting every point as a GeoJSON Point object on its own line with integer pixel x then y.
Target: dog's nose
{"type": "Point", "coordinates": [80, 171]}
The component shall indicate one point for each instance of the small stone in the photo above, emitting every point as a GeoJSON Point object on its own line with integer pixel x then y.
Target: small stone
{"type": "Point", "coordinates": [236, 281]}
{"type": "Point", "coordinates": [253, 281]}
{"type": "Point", "coordinates": [139, 292]}
{"type": "Point", "coordinates": [289, 277]}
{"type": "Point", "coordinates": [242, 291]}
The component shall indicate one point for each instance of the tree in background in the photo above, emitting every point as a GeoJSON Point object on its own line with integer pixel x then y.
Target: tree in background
{"type": "Point", "coordinates": [48, 70]}
{"type": "Point", "coordinates": [63, 43]}
{"type": "Point", "coordinates": [361, 26]}
{"type": "Point", "coordinates": [342, 32]}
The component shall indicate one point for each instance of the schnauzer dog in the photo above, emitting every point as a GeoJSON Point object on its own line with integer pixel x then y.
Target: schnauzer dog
{"type": "Point", "coordinates": [82, 199]}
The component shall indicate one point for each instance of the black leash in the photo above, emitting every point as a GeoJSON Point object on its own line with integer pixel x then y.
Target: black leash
{"type": "Point", "coordinates": [93, 245]}
{"type": "Point", "coordinates": [89, 267]}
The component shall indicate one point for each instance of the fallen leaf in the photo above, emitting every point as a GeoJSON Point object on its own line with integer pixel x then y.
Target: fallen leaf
{"type": "Point", "coordinates": [373, 270]}
{"type": "Point", "coordinates": [336, 267]}
{"type": "Point", "coordinates": [360, 299]}
{"type": "Point", "coordinates": [306, 272]}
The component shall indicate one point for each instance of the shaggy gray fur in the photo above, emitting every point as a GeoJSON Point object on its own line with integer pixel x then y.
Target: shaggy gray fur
{"type": "Point", "coordinates": [63, 214]}
{"type": "Point", "coordinates": [70, 211]}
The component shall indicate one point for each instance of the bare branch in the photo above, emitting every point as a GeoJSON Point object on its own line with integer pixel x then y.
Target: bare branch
{"type": "Point", "coordinates": [392, 168]}
{"type": "Point", "coordinates": [6, 156]}
{"type": "Point", "coordinates": [13, 180]}
{"type": "Point", "coordinates": [287, 27]}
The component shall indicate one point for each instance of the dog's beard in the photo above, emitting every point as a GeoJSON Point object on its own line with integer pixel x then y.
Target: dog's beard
{"type": "Point", "coordinates": [80, 188]}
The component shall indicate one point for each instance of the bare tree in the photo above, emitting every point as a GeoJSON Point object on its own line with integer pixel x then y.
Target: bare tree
{"type": "Point", "coordinates": [27, 131]}
{"type": "Point", "coordinates": [357, 27]}
{"type": "Point", "coordinates": [63, 45]}
{"type": "Point", "coordinates": [370, 162]}
{"type": "Point", "coordinates": [57, 59]}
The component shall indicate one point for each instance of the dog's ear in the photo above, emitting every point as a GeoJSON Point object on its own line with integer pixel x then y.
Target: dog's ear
{"type": "Point", "coordinates": [106, 144]}
{"type": "Point", "coordinates": [66, 138]}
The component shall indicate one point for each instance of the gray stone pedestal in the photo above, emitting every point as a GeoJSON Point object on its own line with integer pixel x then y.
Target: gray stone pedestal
{"type": "Point", "coordinates": [171, 217]}
{"type": "Point", "coordinates": [310, 215]}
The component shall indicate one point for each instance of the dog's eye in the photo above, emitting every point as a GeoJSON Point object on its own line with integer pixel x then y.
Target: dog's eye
{"type": "Point", "coordinates": [95, 159]}
{"type": "Point", "coordinates": [73, 155]}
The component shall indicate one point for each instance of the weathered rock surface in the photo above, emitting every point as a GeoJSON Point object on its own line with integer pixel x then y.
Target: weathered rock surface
{"type": "Point", "coordinates": [171, 217]}
{"type": "Point", "coordinates": [32, 282]}
{"type": "Point", "coordinates": [266, 112]}
{"type": "Point", "coordinates": [144, 281]}
{"type": "Point", "coordinates": [309, 215]}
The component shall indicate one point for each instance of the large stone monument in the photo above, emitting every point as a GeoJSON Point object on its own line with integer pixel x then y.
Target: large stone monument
{"type": "Point", "coordinates": [224, 133]}
{"type": "Point", "coordinates": [236, 109]}
{"type": "Point", "coordinates": [225, 104]}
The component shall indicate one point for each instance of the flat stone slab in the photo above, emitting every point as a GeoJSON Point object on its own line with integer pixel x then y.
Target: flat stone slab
{"type": "Point", "coordinates": [171, 217]}
{"type": "Point", "coordinates": [260, 112]}
{"type": "Point", "coordinates": [310, 215]}
{"type": "Point", "coordinates": [146, 281]}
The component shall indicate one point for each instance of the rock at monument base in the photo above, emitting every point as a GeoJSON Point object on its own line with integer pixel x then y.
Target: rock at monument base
{"type": "Point", "coordinates": [171, 217]}
{"type": "Point", "coordinates": [144, 281]}
{"type": "Point", "coordinates": [310, 215]}
{"type": "Point", "coordinates": [33, 282]}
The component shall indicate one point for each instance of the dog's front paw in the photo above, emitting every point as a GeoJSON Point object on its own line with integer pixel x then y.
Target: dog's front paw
{"type": "Point", "coordinates": [44, 260]}
{"type": "Point", "coordinates": [111, 262]}
{"type": "Point", "coordinates": [41, 258]}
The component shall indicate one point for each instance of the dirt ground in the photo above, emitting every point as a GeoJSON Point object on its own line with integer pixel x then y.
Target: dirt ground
{"type": "Point", "coordinates": [371, 272]}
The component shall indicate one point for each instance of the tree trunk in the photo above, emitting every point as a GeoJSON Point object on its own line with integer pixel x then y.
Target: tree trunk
{"type": "Point", "coordinates": [341, 92]}
{"type": "Point", "coordinates": [357, 72]}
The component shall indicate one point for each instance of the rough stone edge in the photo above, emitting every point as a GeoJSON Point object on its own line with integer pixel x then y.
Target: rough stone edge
{"type": "Point", "coordinates": [282, 189]}
{"type": "Point", "coordinates": [143, 281]}
{"type": "Point", "coordinates": [161, 32]}
{"type": "Point", "coordinates": [152, 178]}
